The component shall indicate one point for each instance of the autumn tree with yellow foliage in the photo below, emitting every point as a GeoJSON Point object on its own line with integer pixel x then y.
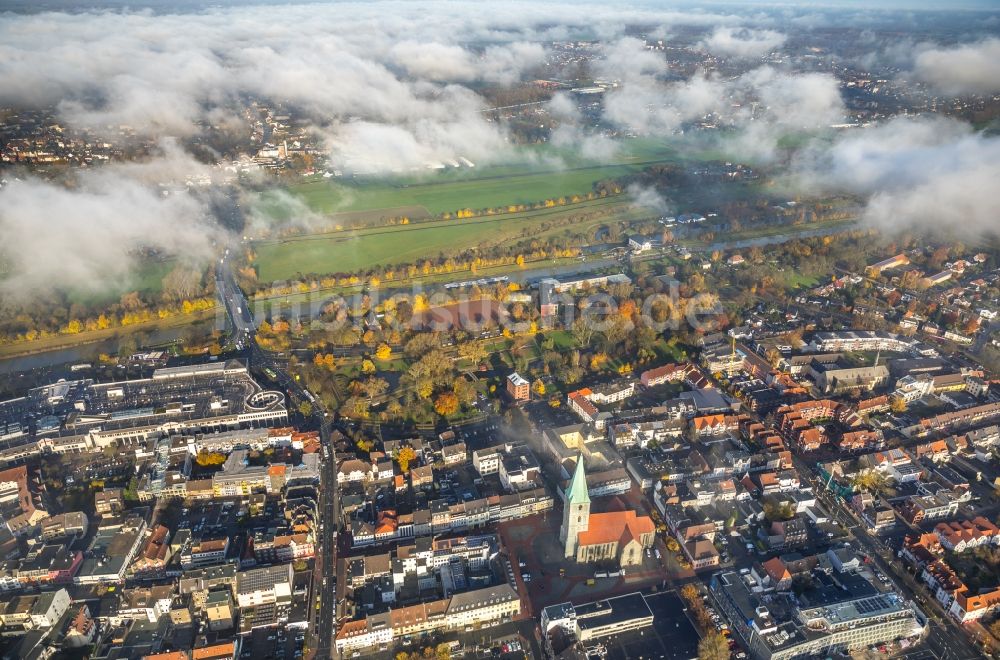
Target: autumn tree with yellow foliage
{"type": "Point", "coordinates": [404, 457]}
{"type": "Point", "coordinates": [446, 404]}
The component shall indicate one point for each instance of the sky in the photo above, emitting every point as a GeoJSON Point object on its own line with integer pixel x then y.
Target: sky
{"type": "Point", "coordinates": [196, 5]}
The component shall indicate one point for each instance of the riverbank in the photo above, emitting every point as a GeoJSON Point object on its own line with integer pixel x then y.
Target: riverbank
{"type": "Point", "coordinates": [84, 346]}
{"type": "Point", "coordinates": [168, 329]}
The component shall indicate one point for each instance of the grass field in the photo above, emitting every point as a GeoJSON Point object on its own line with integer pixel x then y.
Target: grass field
{"type": "Point", "coordinates": [147, 280]}
{"type": "Point", "coordinates": [541, 172]}
{"type": "Point", "coordinates": [444, 196]}
{"type": "Point", "coordinates": [795, 280]}
{"type": "Point", "coordinates": [350, 251]}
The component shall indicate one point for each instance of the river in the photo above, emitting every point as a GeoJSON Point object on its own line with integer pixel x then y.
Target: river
{"type": "Point", "coordinates": [89, 352]}
{"type": "Point", "coordinates": [761, 241]}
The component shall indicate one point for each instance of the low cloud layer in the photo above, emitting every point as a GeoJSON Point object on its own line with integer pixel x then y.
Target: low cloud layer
{"type": "Point", "coordinates": [763, 104]}
{"type": "Point", "coordinates": [649, 199]}
{"type": "Point", "coordinates": [387, 87]}
{"type": "Point", "coordinates": [384, 63]}
{"type": "Point", "coordinates": [647, 105]}
{"type": "Point", "coordinates": [965, 69]}
{"type": "Point", "coordinates": [928, 174]}
{"type": "Point", "coordinates": [93, 233]}
{"type": "Point", "coordinates": [743, 43]}
{"type": "Point", "coordinates": [167, 74]}
{"type": "Point", "coordinates": [392, 86]}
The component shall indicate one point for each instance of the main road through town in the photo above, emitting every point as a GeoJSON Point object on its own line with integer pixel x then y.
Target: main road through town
{"type": "Point", "coordinates": [945, 640]}
{"type": "Point", "coordinates": [322, 602]}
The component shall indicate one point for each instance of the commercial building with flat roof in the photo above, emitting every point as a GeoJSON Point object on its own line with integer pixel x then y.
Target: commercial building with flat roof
{"type": "Point", "coordinates": [110, 552]}
{"type": "Point", "coordinates": [842, 612]}
{"type": "Point", "coordinates": [612, 616]}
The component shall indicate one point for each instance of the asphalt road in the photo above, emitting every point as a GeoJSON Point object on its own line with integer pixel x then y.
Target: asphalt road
{"type": "Point", "coordinates": [242, 327]}
{"type": "Point", "coordinates": [325, 583]}
{"type": "Point", "coordinates": [240, 319]}
{"type": "Point", "coordinates": [985, 336]}
{"type": "Point", "coordinates": [945, 640]}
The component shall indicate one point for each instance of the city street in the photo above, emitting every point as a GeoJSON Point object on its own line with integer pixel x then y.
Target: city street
{"type": "Point", "coordinates": [945, 641]}
{"type": "Point", "coordinates": [242, 325]}
{"type": "Point", "coordinates": [324, 631]}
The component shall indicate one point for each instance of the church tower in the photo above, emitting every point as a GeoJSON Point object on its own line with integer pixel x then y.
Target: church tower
{"type": "Point", "coordinates": [576, 509]}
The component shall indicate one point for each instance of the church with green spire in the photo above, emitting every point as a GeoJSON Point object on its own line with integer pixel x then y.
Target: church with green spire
{"type": "Point", "coordinates": [614, 536]}
{"type": "Point", "coordinates": [576, 509]}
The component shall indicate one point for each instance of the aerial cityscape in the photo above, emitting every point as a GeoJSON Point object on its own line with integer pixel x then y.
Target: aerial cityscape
{"type": "Point", "coordinates": [499, 330]}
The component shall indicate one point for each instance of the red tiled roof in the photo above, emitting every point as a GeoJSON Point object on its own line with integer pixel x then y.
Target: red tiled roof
{"type": "Point", "coordinates": [620, 526]}
{"type": "Point", "coordinates": [776, 569]}
{"type": "Point", "coordinates": [226, 650]}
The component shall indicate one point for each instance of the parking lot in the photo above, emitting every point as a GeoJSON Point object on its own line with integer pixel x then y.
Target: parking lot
{"type": "Point", "coordinates": [544, 416]}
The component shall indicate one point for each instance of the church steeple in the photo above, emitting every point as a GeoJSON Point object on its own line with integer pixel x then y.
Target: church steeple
{"type": "Point", "coordinates": [576, 509]}
{"type": "Point", "coordinates": [578, 493]}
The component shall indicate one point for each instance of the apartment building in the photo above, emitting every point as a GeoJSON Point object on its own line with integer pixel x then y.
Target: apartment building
{"type": "Point", "coordinates": [462, 611]}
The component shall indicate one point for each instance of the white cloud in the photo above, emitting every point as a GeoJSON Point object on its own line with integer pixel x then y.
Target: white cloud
{"type": "Point", "coordinates": [592, 146]}
{"type": "Point", "coordinates": [797, 100]}
{"type": "Point", "coordinates": [159, 72]}
{"type": "Point", "coordinates": [628, 59]}
{"type": "Point", "coordinates": [763, 104]}
{"type": "Point", "coordinates": [507, 64]}
{"type": "Point", "coordinates": [434, 61]}
{"type": "Point", "coordinates": [640, 102]}
{"type": "Point", "coordinates": [928, 173]}
{"type": "Point", "coordinates": [86, 236]}
{"type": "Point", "coordinates": [742, 43]}
{"type": "Point", "coordinates": [503, 64]}
{"type": "Point", "coordinates": [965, 69]}
{"type": "Point", "coordinates": [649, 198]}
{"type": "Point", "coordinates": [562, 108]}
